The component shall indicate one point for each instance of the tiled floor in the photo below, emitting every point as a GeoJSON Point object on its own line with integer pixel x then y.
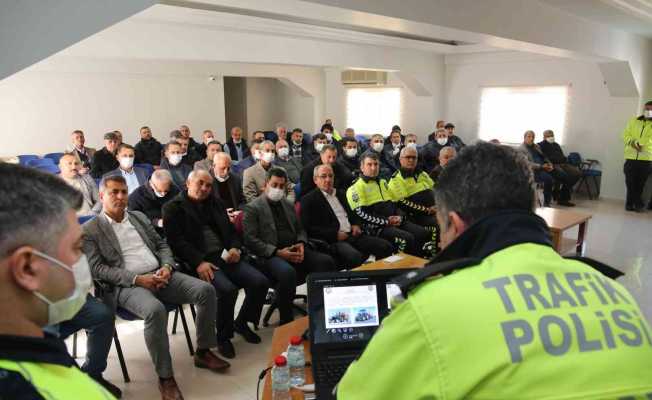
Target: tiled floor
{"type": "Point", "coordinates": [623, 240]}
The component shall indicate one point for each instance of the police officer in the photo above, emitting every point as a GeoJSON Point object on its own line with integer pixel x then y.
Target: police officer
{"type": "Point", "coordinates": [499, 314]}
{"type": "Point", "coordinates": [638, 158]}
{"type": "Point", "coordinates": [44, 280]}
{"type": "Point", "coordinates": [370, 198]}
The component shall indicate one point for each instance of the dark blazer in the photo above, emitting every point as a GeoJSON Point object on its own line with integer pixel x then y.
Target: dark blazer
{"type": "Point", "coordinates": [390, 159]}
{"type": "Point", "coordinates": [343, 176]}
{"type": "Point", "coordinates": [234, 153]}
{"type": "Point", "coordinates": [260, 230]}
{"type": "Point", "coordinates": [319, 218]}
{"type": "Point", "coordinates": [553, 152]}
{"type": "Point", "coordinates": [235, 186]}
{"type": "Point", "coordinates": [141, 174]}
{"type": "Point", "coordinates": [103, 161]}
{"type": "Point", "coordinates": [182, 225]}
{"type": "Point", "coordinates": [148, 152]}
{"type": "Point", "coordinates": [306, 150]}
{"type": "Point", "coordinates": [179, 173]}
{"type": "Point", "coordinates": [144, 200]}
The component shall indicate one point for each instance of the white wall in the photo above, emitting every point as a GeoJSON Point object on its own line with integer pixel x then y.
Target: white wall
{"type": "Point", "coordinates": [263, 106]}
{"type": "Point", "coordinates": [595, 120]}
{"type": "Point", "coordinates": [298, 111]}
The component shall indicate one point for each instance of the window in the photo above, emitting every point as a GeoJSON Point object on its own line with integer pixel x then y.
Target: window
{"type": "Point", "coordinates": [507, 112]}
{"type": "Point", "coordinates": [373, 110]}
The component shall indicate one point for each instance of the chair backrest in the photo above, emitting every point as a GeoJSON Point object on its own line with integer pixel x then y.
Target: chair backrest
{"type": "Point", "coordinates": [307, 138]}
{"type": "Point", "coordinates": [575, 159]}
{"type": "Point", "coordinates": [237, 223]}
{"type": "Point", "coordinates": [40, 162]}
{"type": "Point", "coordinates": [23, 159]}
{"type": "Point", "coordinates": [297, 190]}
{"type": "Point", "coordinates": [53, 169]}
{"type": "Point", "coordinates": [84, 218]}
{"type": "Point", "coordinates": [54, 157]}
{"type": "Point", "coordinates": [362, 138]}
{"type": "Point", "coordinates": [297, 209]}
{"type": "Point", "coordinates": [148, 167]}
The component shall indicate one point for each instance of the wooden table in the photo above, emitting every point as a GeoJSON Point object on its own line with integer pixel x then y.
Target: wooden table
{"type": "Point", "coordinates": [561, 220]}
{"type": "Point", "coordinates": [283, 333]}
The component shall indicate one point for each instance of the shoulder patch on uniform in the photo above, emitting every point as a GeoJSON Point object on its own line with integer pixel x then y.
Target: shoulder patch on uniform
{"type": "Point", "coordinates": [412, 279]}
{"type": "Point", "coordinates": [603, 268]}
{"type": "Point", "coordinates": [354, 196]}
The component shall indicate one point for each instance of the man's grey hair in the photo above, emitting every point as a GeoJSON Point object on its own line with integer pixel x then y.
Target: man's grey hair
{"type": "Point", "coordinates": [447, 149]}
{"type": "Point", "coordinates": [282, 125]}
{"type": "Point", "coordinates": [328, 147]}
{"type": "Point", "coordinates": [161, 175]}
{"type": "Point", "coordinates": [411, 135]}
{"type": "Point", "coordinates": [176, 134]}
{"type": "Point", "coordinates": [406, 150]}
{"type": "Point", "coordinates": [376, 135]}
{"type": "Point", "coordinates": [195, 173]}
{"type": "Point", "coordinates": [315, 171]}
{"type": "Point", "coordinates": [33, 208]}
{"type": "Point", "coordinates": [221, 155]}
{"type": "Point", "coordinates": [483, 179]}
{"type": "Point", "coordinates": [111, 178]}
{"type": "Point", "coordinates": [264, 142]}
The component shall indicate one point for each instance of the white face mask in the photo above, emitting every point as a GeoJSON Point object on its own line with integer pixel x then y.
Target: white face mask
{"type": "Point", "coordinates": [221, 178]}
{"type": "Point", "coordinates": [412, 145]}
{"type": "Point", "coordinates": [126, 162]}
{"type": "Point", "coordinates": [648, 114]}
{"type": "Point", "coordinates": [156, 192]}
{"type": "Point", "coordinates": [268, 157]}
{"type": "Point", "coordinates": [550, 139]}
{"type": "Point", "coordinates": [275, 194]}
{"type": "Point", "coordinates": [175, 159]}
{"type": "Point", "coordinates": [329, 136]}
{"type": "Point", "coordinates": [442, 141]}
{"type": "Point", "coordinates": [237, 141]}
{"type": "Point", "coordinates": [378, 147]}
{"type": "Point", "coordinates": [319, 146]}
{"type": "Point", "coordinates": [297, 143]}
{"type": "Point", "coordinates": [351, 152]}
{"type": "Point", "coordinates": [208, 140]}
{"type": "Point", "coordinates": [283, 152]}
{"type": "Point", "coordinates": [68, 307]}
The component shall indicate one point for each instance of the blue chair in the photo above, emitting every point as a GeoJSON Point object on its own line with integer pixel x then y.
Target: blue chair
{"type": "Point", "coordinates": [84, 218]}
{"type": "Point", "coordinates": [271, 135]}
{"type": "Point", "coordinates": [307, 138]}
{"type": "Point", "coordinates": [54, 157]}
{"type": "Point", "coordinates": [53, 169]}
{"type": "Point", "coordinates": [148, 167]}
{"type": "Point", "coordinates": [588, 172]}
{"type": "Point", "coordinates": [23, 159]}
{"type": "Point", "coordinates": [38, 162]}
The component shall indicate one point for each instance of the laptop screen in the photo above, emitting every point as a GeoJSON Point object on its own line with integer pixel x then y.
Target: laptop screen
{"type": "Point", "coordinates": [347, 307]}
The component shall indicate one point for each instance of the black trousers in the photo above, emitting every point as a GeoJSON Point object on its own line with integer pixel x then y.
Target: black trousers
{"type": "Point", "coordinates": [352, 252]}
{"type": "Point", "coordinates": [287, 275]}
{"type": "Point", "coordinates": [567, 175]}
{"type": "Point", "coordinates": [227, 282]}
{"type": "Point", "coordinates": [408, 237]}
{"type": "Point", "coordinates": [636, 173]}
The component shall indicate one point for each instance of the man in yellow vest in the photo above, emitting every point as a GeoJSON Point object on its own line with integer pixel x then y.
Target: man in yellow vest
{"type": "Point", "coordinates": [44, 280]}
{"type": "Point", "coordinates": [499, 314]}
{"type": "Point", "coordinates": [638, 158]}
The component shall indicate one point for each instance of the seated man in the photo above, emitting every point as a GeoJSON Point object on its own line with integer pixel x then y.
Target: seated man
{"type": "Point", "coordinates": [411, 140]}
{"type": "Point", "coordinates": [212, 148]}
{"type": "Point", "coordinates": [298, 149]}
{"type": "Point", "coordinates": [328, 156]}
{"type": "Point", "coordinates": [227, 186]}
{"type": "Point", "coordinates": [104, 159]}
{"type": "Point", "coordinates": [319, 140]}
{"type": "Point", "coordinates": [274, 234]}
{"type": "Point", "coordinates": [258, 136]}
{"type": "Point", "coordinates": [541, 166]}
{"type": "Point", "coordinates": [391, 151]}
{"type": "Point", "coordinates": [125, 252]}
{"type": "Point", "coordinates": [414, 191]}
{"type": "Point", "coordinates": [429, 154]}
{"type": "Point", "coordinates": [237, 146]}
{"type": "Point", "coordinates": [254, 177]}
{"type": "Point", "coordinates": [250, 160]}
{"type": "Point", "coordinates": [172, 162]}
{"type": "Point", "coordinates": [350, 155]}
{"type": "Point", "coordinates": [83, 154]}
{"type": "Point", "coordinates": [327, 216]}
{"type": "Point", "coordinates": [445, 155]}
{"type": "Point", "coordinates": [350, 133]}
{"type": "Point", "coordinates": [565, 173]}
{"type": "Point", "coordinates": [188, 153]}
{"type": "Point", "coordinates": [207, 137]}
{"type": "Point", "coordinates": [292, 165]}
{"type": "Point", "coordinates": [148, 149]}
{"type": "Point", "coordinates": [44, 279]}
{"type": "Point", "coordinates": [376, 146]}
{"type": "Point", "coordinates": [135, 176]}
{"type": "Point", "coordinates": [202, 237]}
{"type": "Point", "coordinates": [192, 144]}
{"type": "Point", "coordinates": [149, 199]}
{"type": "Point", "coordinates": [438, 126]}
{"type": "Point", "coordinates": [70, 167]}
{"type": "Point", "coordinates": [372, 200]}
{"type": "Point", "coordinates": [453, 140]}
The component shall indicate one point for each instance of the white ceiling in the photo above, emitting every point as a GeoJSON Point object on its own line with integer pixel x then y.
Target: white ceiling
{"type": "Point", "coordinates": [634, 16]}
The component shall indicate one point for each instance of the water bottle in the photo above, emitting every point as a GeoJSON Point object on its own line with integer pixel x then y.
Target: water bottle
{"type": "Point", "coordinates": [280, 379]}
{"type": "Point", "coordinates": [296, 361]}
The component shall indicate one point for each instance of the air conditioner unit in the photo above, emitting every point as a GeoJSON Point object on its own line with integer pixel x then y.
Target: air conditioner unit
{"type": "Point", "coordinates": [364, 77]}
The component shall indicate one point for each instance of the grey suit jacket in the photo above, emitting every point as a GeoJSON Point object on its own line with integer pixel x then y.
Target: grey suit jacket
{"type": "Point", "coordinates": [101, 247]}
{"type": "Point", "coordinates": [253, 183]}
{"type": "Point", "coordinates": [260, 230]}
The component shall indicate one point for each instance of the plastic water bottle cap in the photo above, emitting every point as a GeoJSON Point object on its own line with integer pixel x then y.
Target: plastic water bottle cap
{"type": "Point", "coordinates": [296, 340]}
{"type": "Point", "coordinates": [280, 361]}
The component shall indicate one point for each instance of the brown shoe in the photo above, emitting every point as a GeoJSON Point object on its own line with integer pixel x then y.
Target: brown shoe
{"type": "Point", "coordinates": [206, 359]}
{"type": "Point", "coordinates": [169, 389]}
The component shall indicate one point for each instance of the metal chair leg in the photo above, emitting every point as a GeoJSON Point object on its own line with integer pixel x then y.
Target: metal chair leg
{"type": "Point", "coordinates": [121, 357]}
{"type": "Point", "coordinates": [74, 345]}
{"type": "Point", "coordinates": [193, 312]}
{"type": "Point", "coordinates": [174, 323]}
{"type": "Point", "coordinates": [186, 331]}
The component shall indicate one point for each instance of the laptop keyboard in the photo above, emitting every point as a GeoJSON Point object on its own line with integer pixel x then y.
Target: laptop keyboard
{"type": "Point", "coordinates": [329, 372]}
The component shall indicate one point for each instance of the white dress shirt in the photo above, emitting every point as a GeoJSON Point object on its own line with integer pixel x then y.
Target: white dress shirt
{"type": "Point", "coordinates": [137, 256]}
{"type": "Point", "coordinates": [131, 178]}
{"type": "Point", "coordinates": [338, 209]}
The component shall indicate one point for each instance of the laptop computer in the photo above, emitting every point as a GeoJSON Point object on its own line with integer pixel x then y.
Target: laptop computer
{"type": "Point", "coordinates": [345, 310]}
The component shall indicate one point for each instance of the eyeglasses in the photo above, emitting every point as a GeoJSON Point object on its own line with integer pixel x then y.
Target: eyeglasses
{"type": "Point", "coordinates": [324, 176]}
